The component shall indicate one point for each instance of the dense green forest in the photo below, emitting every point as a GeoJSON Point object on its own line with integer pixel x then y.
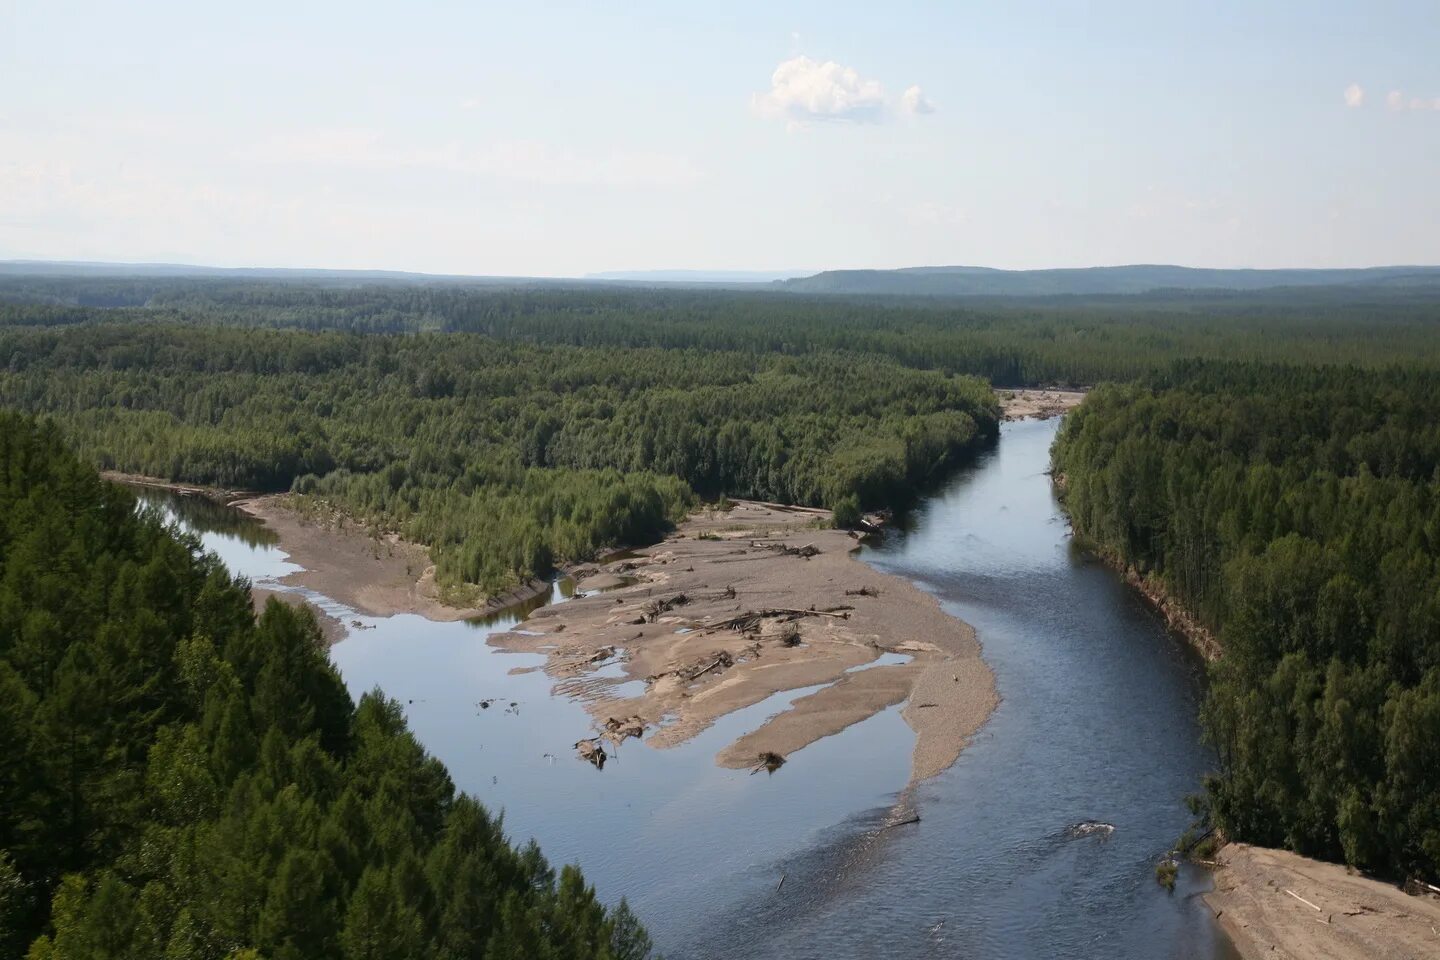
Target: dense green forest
{"type": "Point", "coordinates": [512, 429]}
{"type": "Point", "coordinates": [1075, 340]}
{"type": "Point", "coordinates": [180, 778]}
{"type": "Point", "coordinates": [504, 457]}
{"type": "Point", "coordinates": [1295, 511]}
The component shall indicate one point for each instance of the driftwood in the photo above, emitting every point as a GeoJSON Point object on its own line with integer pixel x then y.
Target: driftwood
{"type": "Point", "coordinates": [655, 608]}
{"type": "Point", "coordinates": [807, 551]}
{"type": "Point", "coordinates": [592, 751]}
{"type": "Point", "coordinates": [863, 592]}
{"type": "Point", "coordinates": [722, 660]}
{"type": "Point", "coordinates": [618, 730]}
{"type": "Point", "coordinates": [769, 761]}
{"type": "Point", "coordinates": [913, 818]}
{"type": "Point", "coordinates": [750, 619]}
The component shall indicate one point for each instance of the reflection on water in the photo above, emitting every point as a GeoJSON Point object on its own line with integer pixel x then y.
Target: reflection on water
{"type": "Point", "coordinates": [1096, 727]}
{"type": "Point", "coordinates": [198, 512]}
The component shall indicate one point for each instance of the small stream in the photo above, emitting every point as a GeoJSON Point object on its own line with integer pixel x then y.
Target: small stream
{"type": "Point", "coordinates": [1096, 726]}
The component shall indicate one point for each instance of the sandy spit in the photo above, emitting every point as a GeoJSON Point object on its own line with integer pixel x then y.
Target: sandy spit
{"type": "Point", "coordinates": [1040, 404]}
{"type": "Point", "coordinates": [379, 575]}
{"type": "Point", "coordinates": [738, 606]}
{"type": "Point", "coordinates": [1277, 904]}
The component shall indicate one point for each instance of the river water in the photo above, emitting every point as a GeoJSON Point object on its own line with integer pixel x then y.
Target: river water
{"type": "Point", "coordinates": [1096, 727]}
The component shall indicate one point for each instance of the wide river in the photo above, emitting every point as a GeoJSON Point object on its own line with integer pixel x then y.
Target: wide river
{"type": "Point", "coordinates": [1096, 726]}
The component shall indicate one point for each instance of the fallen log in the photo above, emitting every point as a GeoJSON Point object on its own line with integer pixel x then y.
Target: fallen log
{"type": "Point", "coordinates": [750, 619]}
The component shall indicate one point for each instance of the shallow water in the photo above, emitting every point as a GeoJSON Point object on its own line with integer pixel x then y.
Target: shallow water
{"type": "Point", "coordinates": [1096, 725]}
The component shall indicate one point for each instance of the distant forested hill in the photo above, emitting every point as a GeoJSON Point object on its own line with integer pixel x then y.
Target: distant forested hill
{"type": "Point", "coordinates": [182, 779]}
{"type": "Point", "coordinates": [1083, 281]}
{"type": "Point", "coordinates": [1009, 341]}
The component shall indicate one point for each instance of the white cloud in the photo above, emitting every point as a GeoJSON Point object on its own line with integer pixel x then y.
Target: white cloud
{"type": "Point", "coordinates": [1354, 95]}
{"type": "Point", "coordinates": [804, 90]}
{"type": "Point", "coordinates": [914, 101]}
{"type": "Point", "coordinates": [1397, 100]}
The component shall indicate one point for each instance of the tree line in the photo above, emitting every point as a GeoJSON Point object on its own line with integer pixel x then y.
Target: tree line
{"type": "Point", "coordinates": [182, 778]}
{"type": "Point", "coordinates": [1295, 512]}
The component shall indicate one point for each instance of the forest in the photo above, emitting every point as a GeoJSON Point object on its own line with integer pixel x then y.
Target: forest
{"type": "Point", "coordinates": [506, 458]}
{"type": "Point", "coordinates": [1008, 341]}
{"type": "Point", "coordinates": [1295, 512]}
{"type": "Point", "coordinates": [183, 778]}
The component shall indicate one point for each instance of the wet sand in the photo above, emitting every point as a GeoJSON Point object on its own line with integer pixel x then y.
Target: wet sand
{"type": "Point", "coordinates": [1274, 903]}
{"type": "Point", "coordinates": [736, 607]}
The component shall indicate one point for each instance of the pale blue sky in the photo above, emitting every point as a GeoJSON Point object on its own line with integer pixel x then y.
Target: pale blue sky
{"type": "Point", "coordinates": [564, 138]}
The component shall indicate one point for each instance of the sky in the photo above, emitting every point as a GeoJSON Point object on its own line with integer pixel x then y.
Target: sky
{"type": "Point", "coordinates": [558, 139]}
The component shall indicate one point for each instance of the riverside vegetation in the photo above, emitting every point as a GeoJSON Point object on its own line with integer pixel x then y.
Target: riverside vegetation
{"type": "Point", "coordinates": [504, 458]}
{"type": "Point", "coordinates": [1295, 513]}
{"type": "Point", "coordinates": [180, 778]}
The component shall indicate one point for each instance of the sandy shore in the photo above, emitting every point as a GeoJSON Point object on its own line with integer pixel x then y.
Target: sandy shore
{"type": "Point", "coordinates": [1273, 903]}
{"type": "Point", "coordinates": [376, 575]}
{"type": "Point", "coordinates": [736, 607]}
{"type": "Point", "coordinates": [1040, 404]}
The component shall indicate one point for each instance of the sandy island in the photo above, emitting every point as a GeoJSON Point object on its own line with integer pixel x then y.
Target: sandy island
{"type": "Point", "coordinates": [1274, 903]}
{"type": "Point", "coordinates": [737, 606]}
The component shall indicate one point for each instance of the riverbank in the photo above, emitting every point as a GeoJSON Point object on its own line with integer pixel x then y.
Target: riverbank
{"type": "Point", "coordinates": [1274, 903]}
{"type": "Point", "coordinates": [378, 574]}
{"type": "Point", "coordinates": [1153, 591]}
{"type": "Point", "coordinates": [332, 629]}
{"type": "Point", "coordinates": [740, 606]}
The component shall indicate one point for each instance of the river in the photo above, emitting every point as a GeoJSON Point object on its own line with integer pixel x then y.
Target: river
{"type": "Point", "coordinates": [1096, 726]}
